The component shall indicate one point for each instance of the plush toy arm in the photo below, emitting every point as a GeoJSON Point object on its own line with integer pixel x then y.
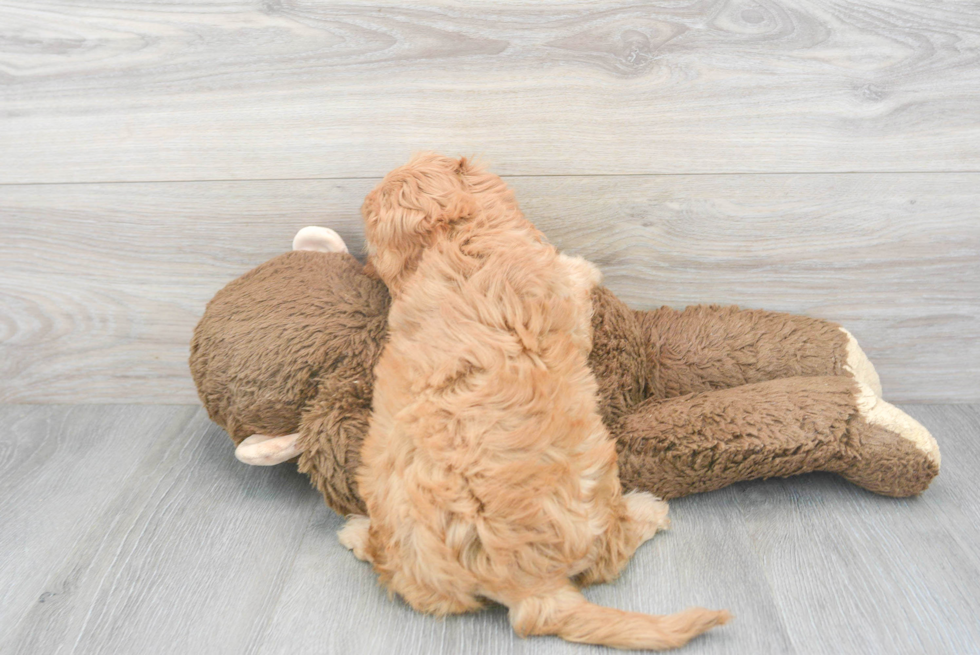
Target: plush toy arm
{"type": "Point", "coordinates": [330, 437]}
{"type": "Point", "coordinates": [711, 347]}
{"type": "Point", "coordinates": [705, 441]}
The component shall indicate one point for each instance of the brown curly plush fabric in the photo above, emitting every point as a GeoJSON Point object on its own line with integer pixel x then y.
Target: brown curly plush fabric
{"type": "Point", "coordinates": [708, 347]}
{"type": "Point", "coordinates": [697, 399]}
{"type": "Point", "coordinates": [282, 336]}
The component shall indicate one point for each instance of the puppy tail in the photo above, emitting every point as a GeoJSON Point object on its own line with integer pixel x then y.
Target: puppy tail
{"type": "Point", "coordinates": [567, 614]}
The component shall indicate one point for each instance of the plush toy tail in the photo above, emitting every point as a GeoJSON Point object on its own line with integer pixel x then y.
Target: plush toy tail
{"type": "Point", "coordinates": [321, 239]}
{"type": "Point", "coordinates": [567, 614]}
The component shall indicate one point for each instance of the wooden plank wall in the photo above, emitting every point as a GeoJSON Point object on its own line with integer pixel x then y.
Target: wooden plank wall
{"type": "Point", "coordinates": [814, 157]}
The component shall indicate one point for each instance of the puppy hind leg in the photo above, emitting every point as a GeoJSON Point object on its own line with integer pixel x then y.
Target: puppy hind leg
{"type": "Point", "coordinates": [427, 584]}
{"type": "Point", "coordinates": [642, 516]}
{"type": "Point", "coordinates": [433, 585]}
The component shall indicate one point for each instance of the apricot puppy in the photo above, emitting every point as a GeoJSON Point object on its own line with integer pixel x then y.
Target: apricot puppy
{"type": "Point", "coordinates": [487, 471]}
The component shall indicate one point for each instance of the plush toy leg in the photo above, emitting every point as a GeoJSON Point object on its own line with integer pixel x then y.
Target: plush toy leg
{"type": "Point", "coordinates": [321, 239]}
{"type": "Point", "coordinates": [710, 347]}
{"type": "Point", "coordinates": [331, 433]}
{"type": "Point", "coordinates": [705, 441]}
{"type": "Point", "coordinates": [886, 450]}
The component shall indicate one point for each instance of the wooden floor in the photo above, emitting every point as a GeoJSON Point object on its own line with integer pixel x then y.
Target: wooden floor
{"type": "Point", "coordinates": [133, 529]}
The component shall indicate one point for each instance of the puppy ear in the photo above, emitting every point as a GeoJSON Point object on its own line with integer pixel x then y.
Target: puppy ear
{"type": "Point", "coordinates": [458, 205]}
{"type": "Point", "coordinates": [417, 200]}
{"type": "Point", "coordinates": [408, 208]}
{"type": "Point", "coordinates": [463, 166]}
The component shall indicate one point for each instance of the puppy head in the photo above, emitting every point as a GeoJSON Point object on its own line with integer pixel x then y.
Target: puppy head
{"type": "Point", "coordinates": [409, 209]}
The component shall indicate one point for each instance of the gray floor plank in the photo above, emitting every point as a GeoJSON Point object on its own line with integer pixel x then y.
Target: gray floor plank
{"type": "Point", "coordinates": [855, 572]}
{"type": "Point", "coordinates": [60, 468]}
{"type": "Point", "coordinates": [105, 315]}
{"type": "Point", "coordinates": [954, 499]}
{"type": "Point", "coordinates": [960, 501]}
{"type": "Point", "coordinates": [186, 555]}
{"type": "Point", "coordinates": [706, 560]}
{"type": "Point", "coordinates": [133, 529]}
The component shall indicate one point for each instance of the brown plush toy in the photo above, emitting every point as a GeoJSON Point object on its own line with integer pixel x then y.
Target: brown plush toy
{"type": "Point", "coordinates": [696, 399]}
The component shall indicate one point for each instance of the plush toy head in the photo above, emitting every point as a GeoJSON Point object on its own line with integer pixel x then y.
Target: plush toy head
{"type": "Point", "coordinates": [269, 339]}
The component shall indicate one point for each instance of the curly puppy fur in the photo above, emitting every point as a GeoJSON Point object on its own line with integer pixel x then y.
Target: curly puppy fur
{"type": "Point", "coordinates": [487, 470]}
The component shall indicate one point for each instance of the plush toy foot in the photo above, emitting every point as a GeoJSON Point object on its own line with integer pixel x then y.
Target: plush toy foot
{"type": "Point", "coordinates": [648, 512]}
{"type": "Point", "coordinates": [888, 452]}
{"type": "Point", "coordinates": [263, 450]}
{"type": "Point", "coordinates": [321, 239]}
{"type": "Point", "coordinates": [858, 365]}
{"type": "Point", "coordinates": [354, 536]}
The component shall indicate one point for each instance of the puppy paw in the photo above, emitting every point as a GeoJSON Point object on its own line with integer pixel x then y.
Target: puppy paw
{"type": "Point", "coordinates": [647, 512]}
{"type": "Point", "coordinates": [354, 536]}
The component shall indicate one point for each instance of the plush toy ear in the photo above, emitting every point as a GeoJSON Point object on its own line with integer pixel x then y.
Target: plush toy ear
{"type": "Point", "coordinates": [262, 450]}
{"type": "Point", "coordinates": [320, 239]}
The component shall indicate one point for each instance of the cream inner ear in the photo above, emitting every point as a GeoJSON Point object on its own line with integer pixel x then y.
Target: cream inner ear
{"type": "Point", "coordinates": [263, 450]}
{"type": "Point", "coordinates": [321, 239]}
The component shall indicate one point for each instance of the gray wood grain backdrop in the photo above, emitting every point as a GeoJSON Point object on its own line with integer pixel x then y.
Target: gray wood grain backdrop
{"type": "Point", "coordinates": [110, 90]}
{"type": "Point", "coordinates": [815, 157]}
{"type": "Point", "coordinates": [103, 283]}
